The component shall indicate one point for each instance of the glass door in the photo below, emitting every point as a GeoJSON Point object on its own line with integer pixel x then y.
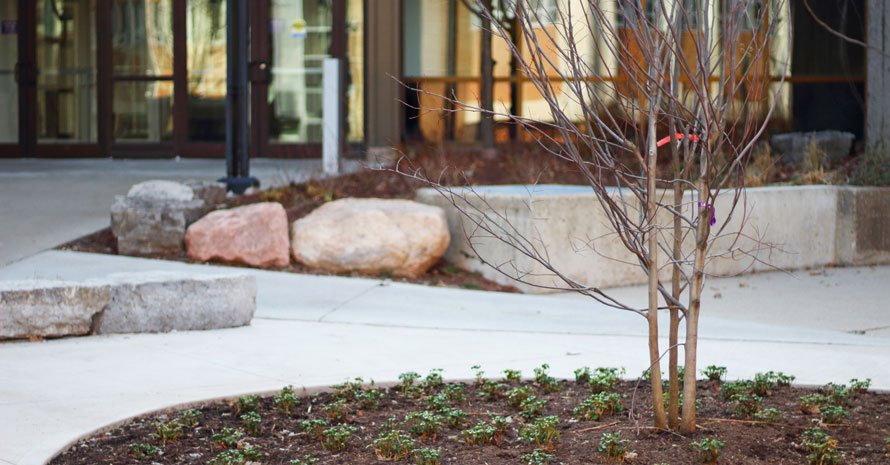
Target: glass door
{"type": "Point", "coordinates": [9, 89]}
{"type": "Point", "coordinates": [66, 66]}
{"type": "Point", "coordinates": [142, 72]}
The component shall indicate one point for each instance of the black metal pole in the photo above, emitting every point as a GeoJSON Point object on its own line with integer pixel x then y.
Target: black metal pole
{"type": "Point", "coordinates": [237, 161]}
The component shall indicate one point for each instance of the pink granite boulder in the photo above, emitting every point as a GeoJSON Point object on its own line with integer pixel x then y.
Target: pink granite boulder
{"type": "Point", "coordinates": [255, 235]}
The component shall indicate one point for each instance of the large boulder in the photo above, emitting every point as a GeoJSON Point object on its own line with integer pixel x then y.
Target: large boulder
{"type": "Point", "coordinates": [152, 217]}
{"type": "Point", "coordinates": [832, 146]}
{"type": "Point", "coordinates": [371, 236]}
{"type": "Point", "coordinates": [255, 235]}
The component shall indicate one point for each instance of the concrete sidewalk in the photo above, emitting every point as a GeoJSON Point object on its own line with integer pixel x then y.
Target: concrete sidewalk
{"type": "Point", "coordinates": [316, 331]}
{"type": "Point", "coordinates": [44, 203]}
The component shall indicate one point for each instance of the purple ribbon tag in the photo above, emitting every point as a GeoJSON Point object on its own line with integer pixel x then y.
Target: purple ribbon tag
{"type": "Point", "coordinates": [710, 209]}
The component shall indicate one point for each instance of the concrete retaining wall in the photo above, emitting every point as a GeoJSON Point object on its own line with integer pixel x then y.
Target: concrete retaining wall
{"type": "Point", "coordinates": [781, 227]}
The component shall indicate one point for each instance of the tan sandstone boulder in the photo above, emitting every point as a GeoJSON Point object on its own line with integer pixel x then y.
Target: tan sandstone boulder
{"type": "Point", "coordinates": [371, 236]}
{"type": "Point", "coordinates": [253, 234]}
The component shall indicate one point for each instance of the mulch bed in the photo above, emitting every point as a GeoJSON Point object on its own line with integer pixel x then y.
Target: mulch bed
{"type": "Point", "coordinates": [280, 439]}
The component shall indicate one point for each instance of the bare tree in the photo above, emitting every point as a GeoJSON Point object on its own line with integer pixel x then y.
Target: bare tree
{"type": "Point", "coordinates": [688, 75]}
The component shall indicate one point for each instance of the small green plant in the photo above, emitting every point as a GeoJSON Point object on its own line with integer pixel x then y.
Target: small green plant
{"type": "Point", "coordinates": [168, 431]}
{"type": "Point", "coordinates": [189, 417]}
{"type": "Point", "coordinates": [393, 445]}
{"type": "Point", "coordinates": [246, 404]}
{"type": "Point", "coordinates": [531, 407]}
{"type": "Point", "coordinates": [227, 438]}
{"type": "Point", "coordinates": [427, 456]}
{"type": "Point", "coordinates": [455, 393]}
{"type": "Point", "coordinates": [887, 446]}
{"type": "Point", "coordinates": [491, 390]}
{"type": "Point", "coordinates": [833, 414]}
{"type": "Point", "coordinates": [424, 424]}
{"type": "Point", "coordinates": [770, 415]}
{"type": "Point", "coordinates": [837, 393]}
{"type": "Point", "coordinates": [860, 386]}
{"type": "Point", "coordinates": [314, 428]}
{"type": "Point", "coordinates": [433, 380]}
{"type": "Point", "coordinates": [478, 375]}
{"type": "Point", "coordinates": [822, 448]}
{"type": "Point", "coordinates": [286, 399]}
{"type": "Point", "coordinates": [512, 376]}
{"type": "Point", "coordinates": [517, 395]}
{"type": "Point", "coordinates": [727, 390]}
{"type": "Point", "coordinates": [409, 378]}
{"type": "Point", "coordinates": [542, 432]}
{"type": "Point", "coordinates": [252, 421]}
{"type": "Point", "coordinates": [708, 449]}
{"type": "Point", "coordinates": [746, 405]}
{"type": "Point", "coordinates": [812, 403]}
{"type": "Point", "coordinates": [337, 437]}
{"type": "Point", "coordinates": [237, 456]}
{"type": "Point", "coordinates": [143, 451]}
{"type": "Point", "coordinates": [714, 373]}
{"type": "Point", "coordinates": [597, 405]}
{"type": "Point", "coordinates": [486, 433]}
{"type": "Point", "coordinates": [337, 411]}
{"type": "Point", "coordinates": [582, 375]}
{"type": "Point", "coordinates": [437, 403]}
{"type": "Point", "coordinates": [370, 399]}
{"type": "Point", "coordinates": [306, 460]}
{"type": "Point", "coordinates": [613, 446]}
{"type": "Point", "coordinates": [455, 418]}
{"type": "Point", "coordinates": [537, 457]}
{"type": "Point", "coordinates": [604, 379]}
{"type": "Point", "coordinates": [348, 390]}
{"type": "Point", "coordinates": [763, 383]}
{"type": "Point", "coordinates": [547, 382]}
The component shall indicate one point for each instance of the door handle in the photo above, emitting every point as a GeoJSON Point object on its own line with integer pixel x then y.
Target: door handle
{"type": "Point", "coordinates": [258, 72]}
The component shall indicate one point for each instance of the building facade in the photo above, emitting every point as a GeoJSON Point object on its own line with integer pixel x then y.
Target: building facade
{"type": "Point", "coordinates": [147, 78]}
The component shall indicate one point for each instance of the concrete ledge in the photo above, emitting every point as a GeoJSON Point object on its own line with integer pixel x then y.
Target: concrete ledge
{"type": "Point", "coordinates": [125, 303]}
{"type": "Point", "coordinates": [781, 227]}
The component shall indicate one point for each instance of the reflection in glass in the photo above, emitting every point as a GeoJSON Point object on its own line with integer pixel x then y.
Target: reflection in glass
{"type": "Point", "coordinates": [301, 37]}
{"type": "Point", "coordinates": [66, 84]}
{"type": "Point", "coordinates": [142, 37]}
{"type": "Point", "coordinates": [9, 91]}
{"type": "Point", "coordinates": [355, 93]}
{"type": "Point", "coordinates": [206, 30]}
{"type": "Point", "coordinates": [143, 111]}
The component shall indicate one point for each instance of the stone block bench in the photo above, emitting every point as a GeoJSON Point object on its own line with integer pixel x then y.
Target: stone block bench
{"type": "Point", "coordinates": [125, 303]}
{"type": "Point", "coordinates": [795, 227]}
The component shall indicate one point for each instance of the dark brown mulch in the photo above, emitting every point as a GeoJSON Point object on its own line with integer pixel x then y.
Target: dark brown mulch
{"type": "Point", "coordinates": [280, 439]}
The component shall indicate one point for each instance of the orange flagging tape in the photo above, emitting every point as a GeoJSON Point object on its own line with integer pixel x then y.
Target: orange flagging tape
{"type": "Point", "coordinates": [677, 136]}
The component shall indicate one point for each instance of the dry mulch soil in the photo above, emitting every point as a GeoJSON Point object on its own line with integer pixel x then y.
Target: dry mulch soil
{"type": "Point", "coordinates": [485, 423]}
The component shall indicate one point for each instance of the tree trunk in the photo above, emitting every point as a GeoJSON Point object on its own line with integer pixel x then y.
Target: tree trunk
{"type": "Point", "coordinates": [486, 93]}
{"type": "Point", "coordinates": [674, 387]}
{"type": "Point", "coordinates": [652, 256]}
{"type": "Point", "coordinates": [703, 229]}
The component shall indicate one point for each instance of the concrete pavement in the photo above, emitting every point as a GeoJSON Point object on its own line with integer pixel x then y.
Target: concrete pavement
{"type": "Point", "coordinates": [37, 196]}
{"type": "Point", "coordinates": [317, 330]}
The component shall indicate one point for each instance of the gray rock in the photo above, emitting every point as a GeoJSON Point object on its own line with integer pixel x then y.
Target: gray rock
{"type": "Point", "coordinates": [125, 303]}
{"type": "Point", "coordinates": [161, 190]}
{"type": "Point", "coordinates": [211, 192]}
{"type": "Point", "coordinates": [146, 226]}
{"type": "Point", "coordinates": [49, 308]}
{"type": "Point", "coordinates": [834, 146]}
{"type": "Point", "coordinates": [161, 301]}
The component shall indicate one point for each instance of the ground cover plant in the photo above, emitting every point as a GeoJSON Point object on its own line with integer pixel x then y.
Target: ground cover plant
{"type": "Point", "coordinates": [409, 428]}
